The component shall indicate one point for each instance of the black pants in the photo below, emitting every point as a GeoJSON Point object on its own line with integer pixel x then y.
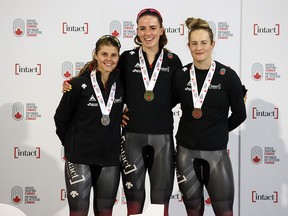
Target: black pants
{"type": "Point", "coordinates": [210, 168]}
{"type": "Point", "coordinates": [152, 152]}
{"type": "Point", "coordinates": [81, 178]}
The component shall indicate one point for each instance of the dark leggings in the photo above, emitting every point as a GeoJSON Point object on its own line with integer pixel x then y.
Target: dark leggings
{"type": "Point", "coordinates": [210, 168]}
{"type": "Point", "coordinates": [81, 178]}
{"type": "Point", "coordinates": [152, 152]}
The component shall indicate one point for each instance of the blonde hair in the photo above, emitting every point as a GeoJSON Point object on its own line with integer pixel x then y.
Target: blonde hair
{"type": "Point", "coordinates": [197, 24]}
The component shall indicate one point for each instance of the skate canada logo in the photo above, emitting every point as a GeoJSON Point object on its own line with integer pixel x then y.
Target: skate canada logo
{"type": "Point", "coordinates": [69, 69]}
{"type": "Point", "coordinates": [29, 195]}
{"type": "Point", "coordinates": [115, 28]}
{"type": "Point", "coordinates": [19, 111]}
{"type": "Point", "coordinates": [269, 72]}
{"type": "Point", "coordinates": [224, 31]}
{"type": "Point", "coordinates": [268, 157]}
{"type": "Point", "coordinates": [32, 29]}
{"type": "Point", "coordinates": [256, 155]}
{"type": "Point", "coordinates": [17, 195]}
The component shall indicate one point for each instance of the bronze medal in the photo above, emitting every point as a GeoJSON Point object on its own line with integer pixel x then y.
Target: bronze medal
{"type": "Point", "coordinates": [149, 96]}
{"type": "Point", "coordinates": [197, 113]}
{"type": "Point", "coordinates": [105, 120]}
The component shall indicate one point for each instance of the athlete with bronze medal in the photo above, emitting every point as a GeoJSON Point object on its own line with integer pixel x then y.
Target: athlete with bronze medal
{"type": "Point", "coordinates": [198, 99]}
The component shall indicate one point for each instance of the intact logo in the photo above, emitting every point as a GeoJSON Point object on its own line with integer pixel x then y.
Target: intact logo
{"type": "Point", "coordinates": [70, 70]}
{"type": "Point", "coordinates": [257, 29]}
{"type": "Point", "coordinates": [269, 72]}
{"type": "Point", "coordinates": [63, 195]}
{"type": "Point", "coordinates": [19, 152]}
{"type": "Point", "coordinates": [259, 113]}
{"type": "Point", "coordinates": [32, 29]}
{"type": "Point", "coordinates": [176, 29]}
{"type": "Point", "coordinates": [20, 69]}
{"type": "Point", "coordinates": [257, 197]}
{"type": "Point", "coordinates": [177, 196]}
{"type": "Point", "coordinates": [72, 28]}
{"type": "Point", "coordinates": [19, 111]}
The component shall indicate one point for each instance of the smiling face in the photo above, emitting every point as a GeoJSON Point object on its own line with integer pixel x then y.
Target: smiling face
{"type": "Point", "coordinates": [107, 57]}
{"type": "Point", "coordinates": [149, 32]}
{"type": "Point", "coordinates": [201, 46]}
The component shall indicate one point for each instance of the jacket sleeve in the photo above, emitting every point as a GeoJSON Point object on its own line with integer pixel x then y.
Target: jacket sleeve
{"type": "Point", "coordinates": [237, 105]}
{"type": "Point", "coordinates": [66, 110]}
{"type": "Point", "coordinates": [177, 70]}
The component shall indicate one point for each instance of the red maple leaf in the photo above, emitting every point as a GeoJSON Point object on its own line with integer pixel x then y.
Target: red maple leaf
{"type": "Point", "coordinates": [257, 76]}
{"type": "Point", "coordinates": [115, 33]}
{"type": "Point", "coordinates": [18, 32]}
{"type": "Point", "coordinates": [256, 159]}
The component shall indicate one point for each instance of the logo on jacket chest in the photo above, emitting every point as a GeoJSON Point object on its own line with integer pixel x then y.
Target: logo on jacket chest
{"type": "Point", "coordinates": [211, 86]}
{"type": "Point", "coordinates": [94, 103]}
{"type": "Point", "coordinates": [137, 68]}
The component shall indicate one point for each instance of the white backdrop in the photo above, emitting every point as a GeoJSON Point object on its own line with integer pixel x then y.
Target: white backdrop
{"type": "Point", "coordinates": [43, 43]}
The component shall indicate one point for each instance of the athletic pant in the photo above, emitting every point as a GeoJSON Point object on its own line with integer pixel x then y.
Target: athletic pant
{"type": "Point", "coordinates": [210, 168]}
{"type": "Point", "coordinates": [81, 178]}
{"type": "Point", "coordinates": [152, 152]}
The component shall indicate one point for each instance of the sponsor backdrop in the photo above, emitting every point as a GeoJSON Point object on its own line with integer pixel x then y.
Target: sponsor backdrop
{"type": "Point", "coordinates": [43, 44]}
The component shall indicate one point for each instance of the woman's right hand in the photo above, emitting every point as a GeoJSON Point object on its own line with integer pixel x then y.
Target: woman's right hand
{"type": "Point", "coordinates": [66, 86]}
{"type": "Point", "coordinates": [125, 118]}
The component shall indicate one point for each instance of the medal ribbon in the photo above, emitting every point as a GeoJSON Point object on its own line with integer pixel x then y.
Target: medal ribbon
{"type": "Point", "coordinates": [105, 109]}
{"type": "Point", "coordinates": [149, 84]}
{"type": "Point", "coordinates": [199, 99]}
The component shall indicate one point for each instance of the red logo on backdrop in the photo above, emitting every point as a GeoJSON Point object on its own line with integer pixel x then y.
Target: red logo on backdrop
{"type": "Point", "coordinates": [212, 26]}
{"type": "Point", "coordinates": [257, 113]}
{"type": "Point", "coordinates": [18, 111]}
{"type": "Point", "coordinates": [256, 197]}
{"type": "Point", "coordinates": [257, 71]}
{"type": "Point", "coordinates": [18, 27]}
{"type": "Point", "coordinates": [67, 70]}
{"type": "Point", "coordinates": [28, 70]}
{"type": "Point", "coordinates": [63, 194]}
{"type": "Point", "coordinates": [115, 28]}
{"type": "Point", "coordinates": [66, 28]}
{"type": "Point", "coordinates": [17, 195]}
{"type": "Point", "coordinates": [256, 155]}
{"type": "Point", "coordinates": [257, 29]}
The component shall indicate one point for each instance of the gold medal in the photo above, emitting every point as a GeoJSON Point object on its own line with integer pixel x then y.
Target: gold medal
{"type": "Point", "coordinates": [149, 96]}
{"type": "Point", "coordinates": [197, 113]}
